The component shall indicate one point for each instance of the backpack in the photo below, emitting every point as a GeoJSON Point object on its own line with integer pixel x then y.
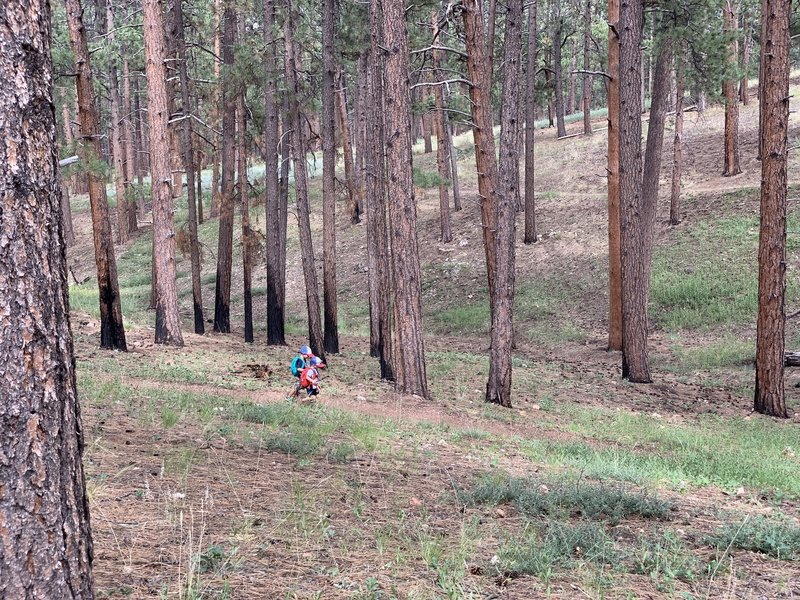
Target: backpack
{"type": "Point", "coordinates": [298, 364]}
{"type": "Point", "coordinates": [309, 377]}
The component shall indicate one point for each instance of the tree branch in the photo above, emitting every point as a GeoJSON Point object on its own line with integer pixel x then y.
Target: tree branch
{"type": "Point", "coordinates": [445, 82]}
{"type": "Point", "coordinates": [444, 48]}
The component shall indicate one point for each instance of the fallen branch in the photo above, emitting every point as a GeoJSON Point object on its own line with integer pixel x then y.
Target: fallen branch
{"type": "Point", "coordinates": [572, 135]}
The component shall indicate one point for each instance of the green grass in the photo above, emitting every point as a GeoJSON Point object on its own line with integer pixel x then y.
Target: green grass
{"type": "Point", "coordinates": [546, 547]}
{"type": "Point", "coordinates": [709, 451]}
{"type": "Point", "coordinates": [664, 558]}
{"type": "Point", "coordinates": [566, 498]}
{"type": "Point", "coordinates": [776, 537]}
{"type": "Point", "coordinates": [707, 275]}
{"type": "Point", "coordinates": [728, 352]}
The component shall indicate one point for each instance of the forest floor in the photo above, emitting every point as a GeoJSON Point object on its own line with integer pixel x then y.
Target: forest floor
{"type": "Point", "coordinates": [205, 482]}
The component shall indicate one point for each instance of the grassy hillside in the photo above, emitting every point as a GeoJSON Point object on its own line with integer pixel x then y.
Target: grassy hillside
{"type": "Point", "coordinates": [205, 483]}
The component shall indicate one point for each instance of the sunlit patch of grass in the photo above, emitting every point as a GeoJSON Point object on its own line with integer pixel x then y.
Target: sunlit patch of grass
{"type": "Point", "coordinates": [706, 276]}
{"type": "Point", "coordinates": [726, 452]}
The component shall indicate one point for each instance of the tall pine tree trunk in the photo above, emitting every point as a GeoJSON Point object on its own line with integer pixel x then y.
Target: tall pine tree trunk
{"type": "Point", "coordinates": [558, 75]}
{"type": "Point", "coordinates": [731, 152]}
{"type": "Point", "coordinates": [380, 271]}
{"type": "Point", "coordinates": [490, 192]}
{"type": "Point", "coordinates": [328, 117]}
{"type": "Point", "coordinates": [112, 333]}
{"type": "Point", "coordinates": [632, 218]}
{"type": "Point", "coordinates": [677, 144]}
{"type": "Point", "coordinates": [350, 171]}
{"type": "Point", "coordinates": [275, 270]}
{"type": "Point", "coordinates": [498, 388]}
{"type": "Point", "coordinates": [769, 395]}
{"type": "Point", "coordinates": [66, 208]}
{"type": "Point", "coordinates": [442, 151]}
{"type": "Point", "coordinates": [299, 163]}
{"type": "Point", "coordinates": [130, 155]}
{"type": "Point", "coordinates": [188, 164]}
{"type": "Point", "coordinates": [142, 158]}
{"type": "Point", "coordinates": [116, 135]}
{"type": "Point", "coordinates": [747, 45]}
{"type": "Point", "coordinates": [587, 79]}
{"type": "Point", "coordinates": [248, 242]}
{"type": "Point", "coordinates": [614, 257]}
{"type": "Point", "coordinates": [410, 375]}
{"type": "Point", "coordinates": [654, 150]}
{"type": "Point", "coordinates": [168, 322]}
{"type": "Point", "coordinates": [217, 107]}
{"type": "Point", "coordinates": [530, 130]}
{"type": "Point", "coordinates": [572, 89]}
{"type": "Point", "coordinates": [222, 298]}
{"type": "Point", "coordinates": [44, 509]}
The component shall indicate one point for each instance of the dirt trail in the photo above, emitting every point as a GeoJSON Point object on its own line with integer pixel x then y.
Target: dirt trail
{"type": "Point", "coordinates": [396, 407]}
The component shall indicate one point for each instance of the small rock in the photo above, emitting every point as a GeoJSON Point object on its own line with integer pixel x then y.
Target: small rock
{"type": "Point", "coordinates": [740, 492]}
{"type": "Point", "coordinates": [788, 451]}
{"type": "Point", "coordinates": [500, 513]}
{"type": "Point", "coordinates": [415, 501]}
{"type": "Point", "coordinates": [535, 407]}
{"type": "Point", "coordinates": [544, 489]}
{"type": "Point", "coordinates": [463, 242]}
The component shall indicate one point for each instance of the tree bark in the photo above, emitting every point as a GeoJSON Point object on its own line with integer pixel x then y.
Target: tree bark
{"type": "Point", "coordinates": [731, 153]}
{"type": "Point", "coordinates": [187, 150]}
{"type": "Point", "coordinates": [494, 204]}
{"type": "Point", "coordinates": [614, 258]}
{"type": "Point", "coordinates": [248, 242]}
{"type": "Point", "coordinates": [66, 208]}
{"type": "Point", "coordinates": [299, 162]}
{"type": "Point", "coordinates": [369, 130]}
{"type": "Point", "coordinates": [359, 127]}
{"type": "Point", "coordinates": [747, 45]}
{"type": "Point", "coordinates": [112, 333]}
{"type": "Point", "coordinates": [130, 159]}
{"type": "Point", "coordinates": [530, 130]}
{"type": "Point", "coordinates": [558, 75]}
{"type": "Point", "coordinates": [410, 375]}
{"type": "Point", "coordinates": [633, 219]}
{"type": "Point", "coordinates": [168, 321]}
{"type": "Point", "coordinates": [677, 159]}
{"type": "Point", "coordinates": [379, 261]}
{"type": "Point", "coordinates": [769, 397]}
{"type": "Point", "coordinates": [498, 388]}
{"type": "Point", "coordinates": [587, 78]}
{"type": "Point", "coordinates": [275, 268]}
{"type": "Point", "coordinates": [654, 150]}
{"type": "Point", "coordinates": [141, 157]}
{"type": "Point", "coordinates": [442, 151]}
{"type": "Point", "coordinates": [222, 298]}
{"type": "Point", "coordinates": [572, 89]}
{"type": "Point", "coordinates": [44, 511]}
{"type": "Point", "coordinates": [116, 134]}
{"type": "Point", "coordinates": [328, 126]}
{"type": "Point", "coordinates": [350, 171]}
{"type": "Point", "coordinates": [217, 104]}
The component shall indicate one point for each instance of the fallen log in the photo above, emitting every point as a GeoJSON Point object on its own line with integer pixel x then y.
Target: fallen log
{"type": "Point", "coordinates": [791, 359]}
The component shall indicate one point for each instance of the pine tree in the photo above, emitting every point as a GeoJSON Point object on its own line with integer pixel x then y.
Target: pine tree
{"type": "Point", "coordinates": [44, 509]}
{"type": "Point", "coordinates": [168, 322]}
{"type": "Point", "coordinates": [112, 333]}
